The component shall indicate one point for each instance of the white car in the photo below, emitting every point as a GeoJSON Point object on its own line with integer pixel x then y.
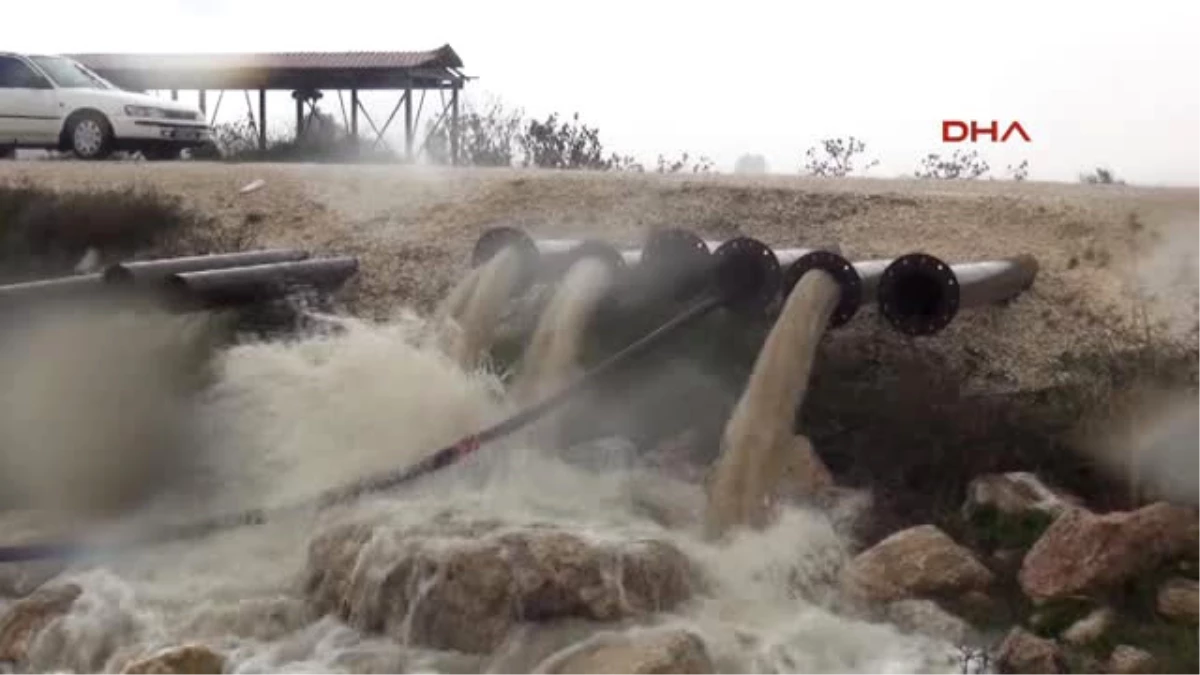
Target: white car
{"type": "Point", "coordinates": [55, 103]}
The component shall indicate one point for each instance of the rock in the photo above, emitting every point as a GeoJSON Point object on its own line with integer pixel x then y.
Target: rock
{"type": "Point", "coordinates": [529, 644]}
{"type": "Point", "coordinates": [920, 562]}
{"type": "Point", "coordinates": [1024, 652]}
{"type": "Point", "coordinates": [1179, 600]}
{"type": "Point", "coordinates": [1127, 660]}
{"type": "Point", "coordinates": [1011, 510]}
{"type": "Point", "coordinates": [185, 660]}
{"type": "Point", "coordinates": [25, 618]}
{"type": "Point", "coordinates": [1090, 628]}
{"type": "Point", "coordinates": [462, 589]}
{"type": "Point", "coordinates": [925, 617]}
{"type": "Point", "coordinates": [1083, 552]}
{"type": "Point", "coordinates": [660, 651]}
{"type": "Point", "coordinates": [18, 580]}
{"type": "Point", "coordinates": [1017, 493]}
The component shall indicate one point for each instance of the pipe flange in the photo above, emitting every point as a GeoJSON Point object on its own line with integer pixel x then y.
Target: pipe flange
{"type": "Point", "coordinates": [747, 274]}
{"type": "Point", "coordinates": [918, 294]}
{"type": "Point", "coordinates": [842, 271]}
{"type": "Point", "coordinates": [497, 239]}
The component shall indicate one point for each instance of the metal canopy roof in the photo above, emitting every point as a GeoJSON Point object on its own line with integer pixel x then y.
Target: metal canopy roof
{"type": "Point", "coordinates": [435, 69]}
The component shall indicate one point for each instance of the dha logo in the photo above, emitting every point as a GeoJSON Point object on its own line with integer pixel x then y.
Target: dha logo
{"type": "Point", "coordinates": [957, 131]}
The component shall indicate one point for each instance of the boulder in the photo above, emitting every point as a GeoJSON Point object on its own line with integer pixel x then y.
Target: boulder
{"type": "Point", "coordinates": [643, 652]}
{"type": "Point", "coordinates": [462, 588]}
{"type": "Point", "coordinates": [926, 617]}
{"type": "Point", "coordinates": [920, 562]}
{"type": "Point", "coordinates": [1127, 660]}
{"type": "Point", "coordinates": [1013, 509]}
{"type": "Point", "coordinates": [18, 580]}
{"type": "Point", "coordinates": [1178, 599]}
{"type": "Point", "coordinates": [183, 660]}
{"type": "Point", "coordinates": [1083, 552]}
{"type": "Point", "coordinates": [1024, 652]}
{"type": "Point", "coordinates": [1090, 628]}
{"type": "Point", "coordinates": [25, 618]}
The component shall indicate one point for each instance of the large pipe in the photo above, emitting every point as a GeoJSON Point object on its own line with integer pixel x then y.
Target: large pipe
{"type": "Point", "coordinates": [144, 271]}
{"type": "Point", "coordinates": [45, 289]}
{"type": "Point", "coordinates": [919, 294]}
{"type": "Point", "coordinates": [257, 283]}
{"type": "Point", "coordinates": [858, 281]}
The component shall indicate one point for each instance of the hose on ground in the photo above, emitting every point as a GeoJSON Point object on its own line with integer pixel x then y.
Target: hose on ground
{"type": "Point", "coordinates": [438, 460]}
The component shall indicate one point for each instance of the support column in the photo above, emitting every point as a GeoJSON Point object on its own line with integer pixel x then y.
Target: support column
{"type": "Point", "coordinates": [354, 113]}
{"type": "Point", "coordinates": [299, 114]}
{"type": "Point", "coordinates": [204, 103]}
{"type": "Point", "coordinates": [174, 94]}
{"type": "Point", "coordinates": [454, 126]}
{"type": "Point", "coordinates": [262, 119]}
{"type": "Point", "coordinates": [408, 124]}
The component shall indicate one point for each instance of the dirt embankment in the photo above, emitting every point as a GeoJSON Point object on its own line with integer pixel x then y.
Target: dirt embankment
{"type": "Point", "coordinates": [1114, 305]}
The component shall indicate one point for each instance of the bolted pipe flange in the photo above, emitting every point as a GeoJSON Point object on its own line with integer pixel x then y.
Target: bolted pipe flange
{"type": "Point", "coordinates": [673, 246]}
{"type": "Point", "coordinates": [497, 239]}
{"type": "Point", "coordinates": [747, 274]}
{"type": "Point", "coordinates": [918, 294]}
{"type": "Point", "coordinates": [843, 273]}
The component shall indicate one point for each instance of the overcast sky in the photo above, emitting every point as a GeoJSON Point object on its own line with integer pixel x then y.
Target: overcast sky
{"type": "Point", "coordinates": [1093, 83]}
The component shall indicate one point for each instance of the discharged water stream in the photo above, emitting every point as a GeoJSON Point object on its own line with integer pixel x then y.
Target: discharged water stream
{"type": "Point", "coordinates": [285, 419]}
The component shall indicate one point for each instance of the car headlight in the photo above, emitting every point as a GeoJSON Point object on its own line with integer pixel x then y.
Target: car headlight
{"type": "Point", "coordinates": [142, 111]}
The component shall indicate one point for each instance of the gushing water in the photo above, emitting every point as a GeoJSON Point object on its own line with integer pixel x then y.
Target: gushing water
{"type": "Point", "coordinates": [284, 419]}
{"type": "Point", "coordinates": [476, 305]}
{"type": "Point", "coordinates": [759, 449]}
{"type": "Point", "coordinates": [553, 354]}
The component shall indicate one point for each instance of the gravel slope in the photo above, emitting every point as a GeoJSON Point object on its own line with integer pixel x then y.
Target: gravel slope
{"type": "Point", "coordinates": [1110, 256]}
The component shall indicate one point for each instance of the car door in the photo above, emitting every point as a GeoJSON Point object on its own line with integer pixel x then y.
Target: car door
{"type": "Point", "coordinates": [28, 104]}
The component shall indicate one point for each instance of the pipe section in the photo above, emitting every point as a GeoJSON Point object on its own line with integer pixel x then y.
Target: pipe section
{"type": "Point", "coordinates": [858, 281]}
{"type": "Point", "coordinates": [919, 294]}
{"type": "Point", "coordinates": [145, 271]}
{"type": "Point", "coordinates": [258, 283]}
{"type": "Point", "coordinates": [46, 289]}
{"type": "Point", "coordinates": [746, 274]}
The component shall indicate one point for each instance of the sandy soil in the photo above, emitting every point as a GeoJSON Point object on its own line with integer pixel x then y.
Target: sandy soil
{"type": "Point", "coordinates": [1118, 263]}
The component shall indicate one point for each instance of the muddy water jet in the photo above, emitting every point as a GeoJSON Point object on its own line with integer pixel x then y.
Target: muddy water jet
{"type": "Point", "coordinates": [759, 447]}
{"type": "Point", "coordinates": [552, 358]}
{"type": "Point", "coordinates": [491, 287]}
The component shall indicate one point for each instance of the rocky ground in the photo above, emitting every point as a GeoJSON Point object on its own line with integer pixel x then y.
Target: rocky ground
{"type": "Point", "coordinates": [1028, 559]}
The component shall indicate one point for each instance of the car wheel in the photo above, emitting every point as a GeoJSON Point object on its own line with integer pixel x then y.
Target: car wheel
{"type": "Point", "coordinates": [90, 136]}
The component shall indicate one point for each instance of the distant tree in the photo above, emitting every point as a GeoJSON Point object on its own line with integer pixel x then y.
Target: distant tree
{"type": "Point", "coordinates": [959, 166]}
{"type": "Point", "coordinates": [1019, 172]}
{"type": "Point", "coordinates": [750, 164]}
{"type": "Point", "coordinates": [567, 144]}
{"type": "Point", "coordinates": [1101, 176]}
{"type": "Point", "coordinates": [490, 136]}
{"type": "Point", "coordinates": [836, 157]}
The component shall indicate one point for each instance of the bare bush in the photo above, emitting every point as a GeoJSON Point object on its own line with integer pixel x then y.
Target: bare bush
{"type": "Point", "coordinates": [959, 166]}
{"type": "Point", "coordinates": [836, 157]}
{"type": "Point", "coordinates": [1101, 176]}
{"type": "Point", "coordinates": [1019, 172]}
{"type": "Point", "coordinates": [684, 164]}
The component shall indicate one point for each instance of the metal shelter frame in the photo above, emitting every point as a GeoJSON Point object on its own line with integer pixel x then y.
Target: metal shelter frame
{"type": "Point", "coordinates": [306, 75]}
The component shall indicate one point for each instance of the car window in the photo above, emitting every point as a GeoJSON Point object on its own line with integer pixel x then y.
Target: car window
{"type": "Point", "coordinates": [69, 74]}
{"type": "Point", "coordinates": [14, 74]}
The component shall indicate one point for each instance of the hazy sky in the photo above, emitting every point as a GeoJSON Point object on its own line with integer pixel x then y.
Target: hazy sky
{"type": "Point", "coordinates": [1093, 83]}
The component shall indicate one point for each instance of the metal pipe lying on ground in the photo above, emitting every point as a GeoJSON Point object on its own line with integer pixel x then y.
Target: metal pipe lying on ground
{"type": "Point", "coordinates": [157, 270]}
{"type": "Point", "coordinates": [257, 283]}
{"type": "Point", "coordinates": [45, 289]}
{"type": "Point", "coordinates": [919, 294]}
{"type": "Point", "coordinates": [857, 281]}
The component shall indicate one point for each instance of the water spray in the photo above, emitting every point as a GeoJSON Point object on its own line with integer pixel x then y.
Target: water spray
{"type": "Point", "coordinates": [744, 277]}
